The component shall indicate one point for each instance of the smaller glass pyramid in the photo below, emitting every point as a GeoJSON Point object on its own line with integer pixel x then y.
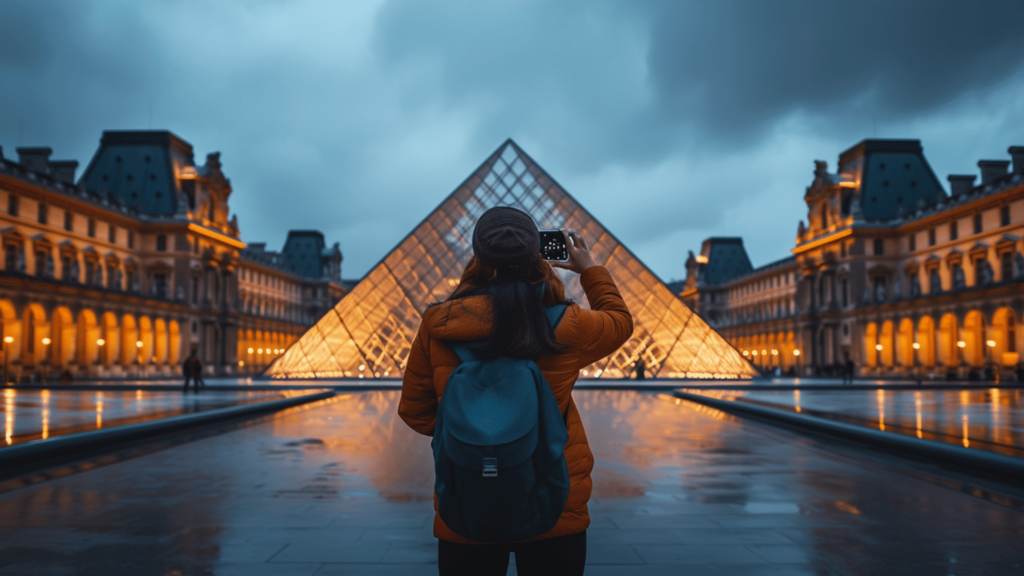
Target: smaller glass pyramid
{"type": "Point", "coordinates": [370, 331]}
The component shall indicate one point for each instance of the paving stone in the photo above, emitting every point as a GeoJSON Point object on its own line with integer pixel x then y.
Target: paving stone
{"type": "Point", "coordinates": [705, 554]}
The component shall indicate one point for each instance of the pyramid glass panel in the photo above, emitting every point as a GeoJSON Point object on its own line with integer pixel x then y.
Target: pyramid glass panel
{"type": "Point", "coordinates": [370, 331]}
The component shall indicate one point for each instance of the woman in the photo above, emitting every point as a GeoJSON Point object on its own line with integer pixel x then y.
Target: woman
{"type": "Point", "coordinates": [499, 308]}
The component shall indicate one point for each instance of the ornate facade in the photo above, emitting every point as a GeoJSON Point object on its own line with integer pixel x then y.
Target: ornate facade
{"type": "Point", "coordinates": [890, 272]}
{"type": "Point", "coordinates": [123, 273]}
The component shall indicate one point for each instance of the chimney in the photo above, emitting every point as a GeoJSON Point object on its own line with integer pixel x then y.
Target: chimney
{"type": "Point", "coordinates": [35, 159]}
{"type": "Point", "coordinates": [64, 170]}
{"type": "Point", "coordinates": [992, 170]}
{"type": "Point", "coordinates": [1017, 153]}
{"type": "Point", "coordinates": [960, 183]}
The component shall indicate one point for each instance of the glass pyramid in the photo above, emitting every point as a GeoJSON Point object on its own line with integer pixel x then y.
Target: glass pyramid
{"type": "Point", "coordinates": [370, 331]}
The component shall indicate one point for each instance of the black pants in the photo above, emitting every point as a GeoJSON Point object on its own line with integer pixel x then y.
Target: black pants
{"type": "Point", "coordinates": [561, 556]}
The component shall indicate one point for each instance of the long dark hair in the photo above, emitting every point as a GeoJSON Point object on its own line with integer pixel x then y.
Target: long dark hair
{"type": "Point", "coordinates": [519, 328]}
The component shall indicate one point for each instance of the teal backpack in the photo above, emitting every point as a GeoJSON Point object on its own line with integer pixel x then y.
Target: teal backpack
{"type": "Point", "coordinates": [499, 462]}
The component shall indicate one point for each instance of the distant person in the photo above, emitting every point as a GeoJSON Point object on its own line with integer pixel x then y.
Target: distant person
{"type": "Point", "coordinates": [511, 460]}
{"type": "Point", "coordinates": [193, 370]}
{"type": "Point", "coordinates": [641, 367]}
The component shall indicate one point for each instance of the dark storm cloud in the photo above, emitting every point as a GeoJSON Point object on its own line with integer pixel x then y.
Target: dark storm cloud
{"type": "Point", "coordinates": [733, 67]}
{"type": "Point", "coordinates": [670, 121]}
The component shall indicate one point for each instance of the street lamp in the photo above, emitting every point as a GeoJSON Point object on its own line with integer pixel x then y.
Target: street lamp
{"type": "Point", "coordinates": [995, 367]}
{"type": "Point", "coordinates": [100, 342]}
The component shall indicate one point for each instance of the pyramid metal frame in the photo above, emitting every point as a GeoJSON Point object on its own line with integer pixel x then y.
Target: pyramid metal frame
{"type": "Point", "coordinates": [369, 333]}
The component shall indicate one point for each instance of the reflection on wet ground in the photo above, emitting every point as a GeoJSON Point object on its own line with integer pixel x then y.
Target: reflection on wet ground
{"type": "Point", "coordinates": [987, 419]}
{"type": "Point", "coordinates": [345, 488]}
{"type": "Point", "coordinates": [35, 414]}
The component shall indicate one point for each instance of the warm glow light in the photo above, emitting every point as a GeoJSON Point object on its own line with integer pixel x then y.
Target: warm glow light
{"type": "Point", "coordinates": [101, 342]}
{"type": "Point", "coordinates": [916, 346]}
{"type": "Point", "coordinates": [775, 352]}
{"type": "Point", "coordinates": [962, 344]}
{"type": "Point", "coordinates": [754, 352]}
{"type": "Point", "coordinates": [917, 407]}
{"type": "Point", "coordinates": [9, 415]}
{"type": "Point", "coordinates": [796, 352]}
{"type": "Point", "coordinates": [362, 367]}
{"type": "Point", "coordinates": [881, 410]}
{"type": "Point", "coordinates": [967, 442]}
{"type": "Point", "coordinates": [597, 374]}
{"type": "Point", "coordinates": [99, 409]}
{"type": "Point", "coordinates": [138, 343]}
{"type": "Point", "coordinates": [259, 351]}
{"type": "Point", "coordinates": [8, 339]}
{"type": "Point", "coordinates": [746, 353]}
{"type": "Point", "coordinates": [585, 373]}
{"type": "Point", "coordinates": [46, 414]}
{"type": "Point", "coordinates": [701, 259]}
{"type": "Point", "coordinates": [764, 352]}
{"type": "Point", "coordinates": [47, 341]}
{"type": "Point", "coordinates": [241, 363]}
{"type": "Point", "coordinates": [878, 346]}
{"type": "Point", "coordinates": [991, 343]}
{"type": "Point", "coordinates": [250, 350]}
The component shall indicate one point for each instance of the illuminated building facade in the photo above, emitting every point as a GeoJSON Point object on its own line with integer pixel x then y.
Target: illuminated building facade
{"type": "Point", "coordinates": [370, 332]}
{"type": "Point", "coordinates": [890, 272]}
{"type": "Point", "coordinates": [123, 273]}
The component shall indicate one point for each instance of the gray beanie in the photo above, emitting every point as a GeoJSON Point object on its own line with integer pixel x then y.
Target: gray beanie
{"type": "Point", "coordinates": [506, 236]}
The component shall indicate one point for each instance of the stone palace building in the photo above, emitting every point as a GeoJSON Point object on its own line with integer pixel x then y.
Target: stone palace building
{"type": "Point", "coordinates": [890, 272]}
{"type": "Point", "coordinates": [127, 271]}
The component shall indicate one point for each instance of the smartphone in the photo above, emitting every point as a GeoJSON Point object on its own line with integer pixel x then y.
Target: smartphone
{"type": "Point", "coordinates": [552, 246]}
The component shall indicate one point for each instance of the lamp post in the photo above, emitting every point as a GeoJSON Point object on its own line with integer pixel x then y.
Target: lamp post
{"type": "Point", "coordinates": [991, 344]}
{"type": "Point", "coordinates": [138, 356]}
{"type": "Point", "coordinates": [796, 355]}
{"type": "Point", "coordinates": [917, 364]}
{"type": "Point", "coordinates": [7, 340]}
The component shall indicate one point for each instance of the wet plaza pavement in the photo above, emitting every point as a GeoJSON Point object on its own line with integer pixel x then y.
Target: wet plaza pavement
{"type": "Point", "coordinates": [990, 419]}
{"type": "Point", "coordinates": [32, 414]}
{"type": "Point", "coordinates": [345, 488]}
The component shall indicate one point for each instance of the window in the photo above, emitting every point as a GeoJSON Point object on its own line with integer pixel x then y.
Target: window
{"type": "Point", "coordinates": [90, 274]}
{"type": "Point", "coordinates": [931, 236]}
{"type": "Point", "coordinates": [954, 231]}
{"type": "Point", "coordinates": [1004, 216]}
{"type": "Point", "coordinates": [195, 289]}
{"type": "Point", "coordinates": [40, 263]}
{"type": "Point", "coordinates": [915, 285]}
{"type": "Point", "coordinates": [846, 292]}
{"type": "Point", "coordinates": [111, 233]}
{"type": "Point", "coordinates": [161, 243]}
{"type": "Point", "coordinates": [912, 242]}
{"type": "Point", "coordinates": [69, 220]}
{"type": "Point", "coordinates": [879, 246]}
{"type": "Point", "coordinates": [977, 223]}
{"type": "Point", "coordinates": [11, 258]}
{"type": "Point", "coordinates": [959, 280]}
{"type": "Point", "coordinates": [12, 204]}
{"type": "Point", "coordinates": [934, 281]}
{"type": "Point", "coordinates": [42, 213]}
{"type": "Point", "coordinates": [66, 270]}
{"type": "Point", "coordinates": [1006, 266]}
{"type": "Point", "coordinates": [92, 228]}
{"type": "Point", "coordinates": [132, 283]}
{"type": "Point", "coordinates": [160, 285]}
{"type": "Point", "coordinates": [111, 277]}
{"type": "Point", "coordinates": [879, 289]}
{"type": "Point", "coordinates": [131, 239]}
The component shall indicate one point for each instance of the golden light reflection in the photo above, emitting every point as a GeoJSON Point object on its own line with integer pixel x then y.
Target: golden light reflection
{"type": "Point", "coordinates": [881, 409]}
{"type": "Point", "coordinates": [9, 415]}
{"type": "Point", "coordinates": [99, 409]}
{"type": "Point", "coordinates": [917, 408]}
{"type": "Point", "coordinates": [847, 507]}
{"type": "Point", "coordinates": [967, 442]}
{"type": "Point", "coordinates": [138, 400]}
{"type": "Point", "coordinates": [994, 406]}
{"type": "Point", "coordinates": [46, 414]}
{"type": "Point", "coordinates": [796, 400]}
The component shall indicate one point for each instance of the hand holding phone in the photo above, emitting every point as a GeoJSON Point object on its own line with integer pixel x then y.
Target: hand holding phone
{"type": "Point", "coordinates": [579, 258]}
{"type": "Point", "coordinates": [552, 246]}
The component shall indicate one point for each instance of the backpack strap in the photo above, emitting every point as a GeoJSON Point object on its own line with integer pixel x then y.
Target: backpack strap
{"type": "Point", "coordinates": [462, 351]}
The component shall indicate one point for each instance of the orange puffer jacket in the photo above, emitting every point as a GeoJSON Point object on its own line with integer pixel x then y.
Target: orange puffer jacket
{"type": "Point", "coordinates": [590, 334]}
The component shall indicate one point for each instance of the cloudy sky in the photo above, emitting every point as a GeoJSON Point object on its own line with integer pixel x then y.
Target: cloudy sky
{"type": "Point", "coordinates": [670, 121]}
